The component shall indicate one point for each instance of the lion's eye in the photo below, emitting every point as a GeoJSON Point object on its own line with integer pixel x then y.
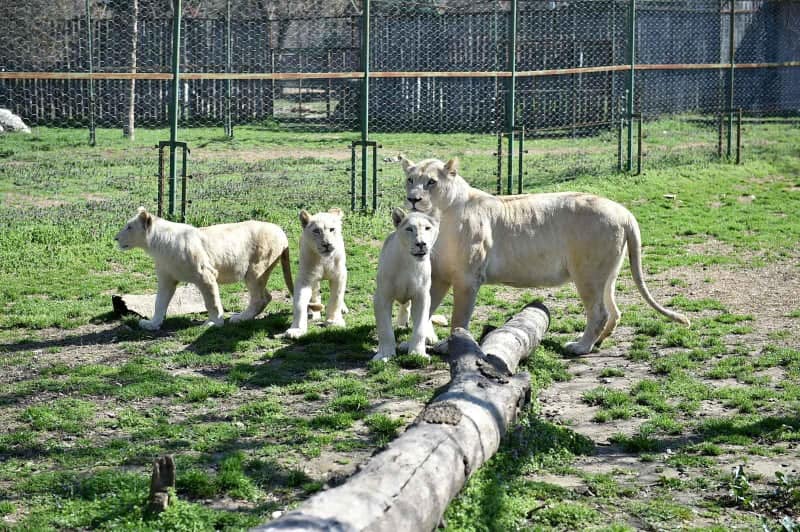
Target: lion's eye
{"type": "Point", "coordinates": [431, 182]}
{"type": "Point", "coordinates": [128, 226]}
{"type": "Point", "coordinates": [410, 180]}
{"type": "Point", "coordinates": [409, 230]}
{"type": "Point", "coordinates": [331, 229]}
{"type": "Point", "coordinates": [427, 228]}
{"type": "Point", "coordinates": [317, 231]}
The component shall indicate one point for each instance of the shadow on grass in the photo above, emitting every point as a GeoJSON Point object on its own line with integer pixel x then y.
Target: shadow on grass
{"type": "Point", "coordinates": [333, 348]}
{"type": "Point", "coordinates": [121, 332]}
{"type": "Point", "coordinates": [227, 339]}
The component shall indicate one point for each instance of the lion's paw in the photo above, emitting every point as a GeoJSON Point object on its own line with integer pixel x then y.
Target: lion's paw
{"type": "Point", "coordinates": [345, 310]}
{"type": "Point", "coordinates": [383, 354]}
{"type": "Point", "coordinates": [314, 315]}
{"type": "Point", "coordinates": [577, 348]}
{"type": "Point", "coordinates": [336, 322]}
{"type": "Point", "coordinates": [417, 349]}
{"type": "Point", "coordinates": [149, 325]}
{"type": "Point", "coordinates": [219, 322]}
{"type": "Point", "coordinates": [236, 318]}
{"type": "Point", "coordinates": [295, 332]}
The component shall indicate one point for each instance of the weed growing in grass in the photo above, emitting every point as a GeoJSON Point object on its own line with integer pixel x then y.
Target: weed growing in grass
{"type": "Point", "coordinates": [382, 427]}
{"type": "Point", "coordinates": [608, 373]}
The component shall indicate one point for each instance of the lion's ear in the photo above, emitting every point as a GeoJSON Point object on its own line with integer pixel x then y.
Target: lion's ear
{"type": "Point", "coordinates": [398, 215]}
{"type": "Point", "coordinates": [336, 211]}
{"type": "Point", "coordinates": [304, 217]}
{"type": "Point", "coordinates": [405, 163]}
{"type": "Point", "coordinates": [145, 218]}
{"type": "Point", "coordinates": [451, 167]}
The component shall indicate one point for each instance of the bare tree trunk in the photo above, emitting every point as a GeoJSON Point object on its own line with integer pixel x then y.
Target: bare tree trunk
{"type": "Point", "coordinates": [409, 485]}
{"type": "Point", "coordinates": [131, 129]}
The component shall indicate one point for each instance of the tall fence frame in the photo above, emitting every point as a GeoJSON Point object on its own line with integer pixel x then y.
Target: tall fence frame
{"type": "Point", "coordinates": [624, 71]}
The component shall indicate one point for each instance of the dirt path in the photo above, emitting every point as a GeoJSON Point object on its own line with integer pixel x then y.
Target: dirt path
{"type": "Point", "coordinates": [769, 294]}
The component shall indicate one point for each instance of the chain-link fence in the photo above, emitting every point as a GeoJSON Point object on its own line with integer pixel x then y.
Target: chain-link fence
{"type": "Point", "coordinates": [540, 71]}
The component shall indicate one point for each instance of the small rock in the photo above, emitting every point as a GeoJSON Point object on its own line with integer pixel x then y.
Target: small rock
{"type": "Point", "coordinates": [276, 514]}
{"type": "Point", "coordinates": [669, 196]}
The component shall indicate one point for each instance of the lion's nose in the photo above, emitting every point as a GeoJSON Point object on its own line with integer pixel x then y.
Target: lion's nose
{"type": "Point", "coordinates": [413, 201]}
{"type": "Point", "coordinates": [116, 238]}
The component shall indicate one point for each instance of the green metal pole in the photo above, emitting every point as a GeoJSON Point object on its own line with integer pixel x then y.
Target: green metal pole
{"type": "Point", "coordinates": [228, 67]}
{"type": "Point", "coordinates": [364, 101]}
{"type": "Point", "coordinates": [90, 35]}
{"type": "Point", "coordinates": [511, 94]}
{"type": "Point", "coordinates": [632, 62]}
{"type": "Point", "coordinates": [731, 58]}
{"type": "Point", "coordinates": [173, 126]}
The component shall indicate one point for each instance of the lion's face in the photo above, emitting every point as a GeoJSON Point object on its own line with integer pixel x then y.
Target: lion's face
{"type": "Point", "coordinates": [324, 229]}
{"type": "Point", "coordinates": [134, 234]}
{"type": "Point", "coordinates": [429, 183]}
{"type": "Point", "coordinates": [417, 232]}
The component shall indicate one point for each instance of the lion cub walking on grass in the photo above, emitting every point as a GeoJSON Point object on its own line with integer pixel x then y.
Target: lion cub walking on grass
{"type": "Point", "coordinates": [322, 257]}
{"type": "Point", "coordinates": [207, 257]}
{"type": "Point", "coordinates": [404, 275]}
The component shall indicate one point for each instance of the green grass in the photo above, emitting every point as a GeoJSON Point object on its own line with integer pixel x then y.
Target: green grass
{"type": "Point", "coordinates": [89, 400]}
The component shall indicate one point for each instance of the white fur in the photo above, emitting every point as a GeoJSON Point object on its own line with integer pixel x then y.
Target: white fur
{"type": "Point", "coordinates": [206, 257]}
{"type": "Point", "coordinates": [404, 275]}
{"type": "Point", "coordinates": [524, 241]}
{"type": "Point", "coordinates": [322, 257]}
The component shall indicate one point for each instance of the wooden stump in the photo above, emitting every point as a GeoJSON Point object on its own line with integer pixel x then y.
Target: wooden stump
{"type": "Point", "coordinates": [409, 485]}
{"type": "Point", "coordinates": [161, 481]}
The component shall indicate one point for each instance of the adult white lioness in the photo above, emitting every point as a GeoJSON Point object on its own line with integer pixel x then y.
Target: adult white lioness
{"type": "Point", "coordinates": [206, 256]}
{"type": "Point", "coordinates": [524, 241]}
{"type": "Point", "coordinates": [321, 257]}
{"type": "Point", "coordinates": [404, 275]}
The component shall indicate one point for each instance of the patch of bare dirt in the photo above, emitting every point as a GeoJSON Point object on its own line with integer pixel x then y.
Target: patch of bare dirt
{"type": "Point", "coordinates": [24, 200]}
{"type": "Point", "coordinates": [768, 294]}
{"type": "Point", "coordinates": [710, 246]}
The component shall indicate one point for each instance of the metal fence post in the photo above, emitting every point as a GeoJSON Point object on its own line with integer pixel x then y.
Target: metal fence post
{"type": "Point", "coordinates": [90, 36]}
{"type": "Point", "coordinates": [228, 68]}
{"type": "Point", "coordinates": [511, 94]}
{"type": "Point", "coordinates": [632, 62]}
{"type": "Point", "coordinates": [364, 111]}
{"type": "Point", "coordinates": [173, 127]}
{"type": "Point", "coordinates": [731, 58]}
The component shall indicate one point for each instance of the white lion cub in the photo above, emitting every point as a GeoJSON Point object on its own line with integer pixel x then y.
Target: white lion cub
{"type": "Point", "coordinates": [206, 257]}
{"type": "Point", "coordinates": [404, 275]}
{"type": "Point", "coordinates": [322, 257]}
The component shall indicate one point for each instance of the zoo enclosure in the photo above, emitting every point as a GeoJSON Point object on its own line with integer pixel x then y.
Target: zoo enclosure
{"type": "Point", "coordinates": [516, 69]}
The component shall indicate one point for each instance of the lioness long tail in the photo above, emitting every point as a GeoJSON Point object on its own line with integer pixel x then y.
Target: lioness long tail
{"type": "Point", "coordinates": [634, 240]}
{"type": "Point", "coordinates": [286, 266]}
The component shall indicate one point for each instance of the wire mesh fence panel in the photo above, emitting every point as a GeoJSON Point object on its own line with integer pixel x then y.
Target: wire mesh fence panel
{"type": "Point", "coordinates": [681, 85]}
{"type": "Point", "coordinates": [582, 42]}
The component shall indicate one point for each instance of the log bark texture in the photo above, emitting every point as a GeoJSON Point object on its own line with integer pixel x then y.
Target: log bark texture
{"type": "Point", "coordinates": [162, 479]}
{"type": "Point", "coordinates": [409, 485]}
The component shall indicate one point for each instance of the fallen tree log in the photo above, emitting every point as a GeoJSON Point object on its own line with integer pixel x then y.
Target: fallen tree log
{"type": "Point", "coordinates": [409, 484]}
